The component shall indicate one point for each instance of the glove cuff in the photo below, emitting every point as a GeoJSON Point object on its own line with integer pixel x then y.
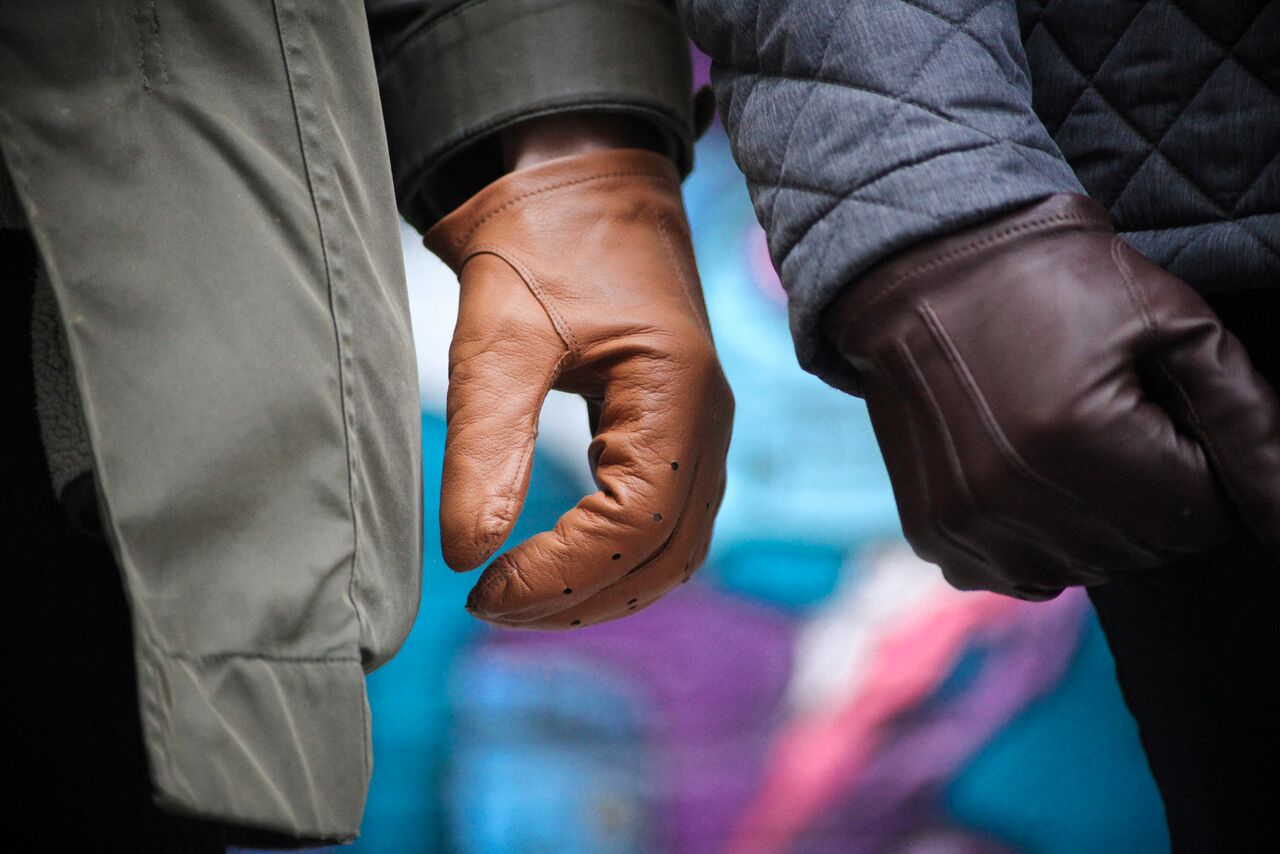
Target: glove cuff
{"type": "Point", "coordinates": [938, 260]}
{"type": "Point", "coordinates": [452, 237]}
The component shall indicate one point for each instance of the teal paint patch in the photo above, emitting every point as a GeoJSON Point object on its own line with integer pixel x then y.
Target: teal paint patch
{"type": "Point", "coordinates": [411, 719]}
{"type": "Point", "coordinates": [1069, 774]}
{"type": "Point", "coordinates": [788, 574]}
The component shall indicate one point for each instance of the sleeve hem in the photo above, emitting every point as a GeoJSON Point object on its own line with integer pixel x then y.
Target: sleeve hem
{"type": "Point", "coordinates": [457, 79]}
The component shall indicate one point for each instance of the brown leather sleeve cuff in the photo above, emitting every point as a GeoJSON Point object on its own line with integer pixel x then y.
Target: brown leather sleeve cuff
{"type": "Point", "coordinates": [854, 311]}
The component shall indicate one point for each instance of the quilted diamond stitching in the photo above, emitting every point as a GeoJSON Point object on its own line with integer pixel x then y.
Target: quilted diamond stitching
{"type": "Point", "coordinates": [1196, 224]}
{"type": "Point", "coordinates": [1227, 54]}
{"type": "Point", "coordinates": [1169, 265]}
{"type": "Point", "coordinates": [1210, 37]}
{"type": "Point", "coordinates": [1253, 182]}
{"type": "Point", "coordinates": [953, 29]}
{"type": "Point", "coordinates": [1087, 76]}
{"type": "Point", "coordinates": [858, 195]}
{"type": "Point", "coordinates": [1258, 78]}
{"type": "Point", "coordinates": [900, 100]}
{"type": "Point", "coordinates": [808, 96]}
{"type": "Point", "coordinates": [887, 172]}
{"type": "Point", "coordinates": [1226, 216]}
{"type": "Point", "coordinates": [1153, 147]}
{"type": "Point", "coordinates": [1147, 143]}
{"type": "Point", "coordinates": [748, 71]}
{"type": "Point", "coordinates": [961, 25]}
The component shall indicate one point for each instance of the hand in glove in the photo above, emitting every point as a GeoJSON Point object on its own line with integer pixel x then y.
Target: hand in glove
{"type": "Point", "coordinates": [577, 274]}
{"type": "Point", "coordinates": [1054, 408]}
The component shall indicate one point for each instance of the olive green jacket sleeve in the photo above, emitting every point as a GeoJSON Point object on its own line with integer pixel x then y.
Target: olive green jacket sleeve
{"type": "Point", "coordinates": [454, 72]}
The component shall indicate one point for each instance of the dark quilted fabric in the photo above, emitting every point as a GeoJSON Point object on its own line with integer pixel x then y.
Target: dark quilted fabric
{"type": "Point", "coordinates": [864, 126]}
{"type": "Point", "coordinates": [1169, 111]}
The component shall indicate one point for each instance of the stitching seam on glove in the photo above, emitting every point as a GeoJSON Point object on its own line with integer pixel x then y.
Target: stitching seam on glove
{"type": "Point", "coordinates": [462, 239]}
{"type": "Point", "coordinates": [682, 276]}
{"type": "Point", "coordinates": [531, 282]}
{"type": "Point", "coordinates": [927, 264]}
{"type": "Point", "coordinates": [991, 424]}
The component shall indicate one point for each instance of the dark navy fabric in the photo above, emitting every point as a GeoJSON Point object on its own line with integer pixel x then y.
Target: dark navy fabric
{"type": "Point", "coordinates": [1169, 111]}
{"type": "Point", "coordinates": [865, 126]}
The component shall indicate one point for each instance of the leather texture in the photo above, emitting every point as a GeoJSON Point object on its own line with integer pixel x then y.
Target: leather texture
{"type": "Point", "coordinates": [1053, 408]}
{"type": "Point", "coordinates": [867, 128]}
{"type": "Point", "coordinates": [578, 274]}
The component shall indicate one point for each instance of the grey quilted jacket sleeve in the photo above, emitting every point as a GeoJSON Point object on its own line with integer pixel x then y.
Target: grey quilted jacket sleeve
{"type": "Point", "coordinates": [864, 126]}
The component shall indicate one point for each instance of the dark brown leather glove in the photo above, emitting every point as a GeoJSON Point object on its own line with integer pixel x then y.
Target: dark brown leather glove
{"type": "Point", "coordinates": [1054, 408]}
{"type": "Point", "coordinates": [578, 275]}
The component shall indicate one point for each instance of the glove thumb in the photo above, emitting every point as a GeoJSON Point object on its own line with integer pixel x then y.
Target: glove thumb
{"type": "Point", "coordinates": [504, 358]}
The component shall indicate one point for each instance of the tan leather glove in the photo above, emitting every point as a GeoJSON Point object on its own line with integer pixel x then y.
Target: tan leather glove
{"type": "Point", "coordinates": [578, 275]}
{"type": "Point", "coordinates": [1054, 408]}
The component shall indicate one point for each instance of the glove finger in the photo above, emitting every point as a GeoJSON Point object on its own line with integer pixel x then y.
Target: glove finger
{"type": "Point", "coordinates": [1221, 399]}
{"type": "Point", "coordinates": [1099, 477]}
{"type": "Point", "coordinates": [712, 507]}
{"type": "Point", "coordinates": [593, 415]}
{"type": "Point", "coordinates": [897, 430]}
{"type": "Point", "coordinates": [503, 360]}
{"type": "Point", "coordinates": [992, 524]}
{"type": "Point", "coordinates": [643, 586]}
{"type": "Point", "coordinates": [1153, 480]}
{"type": "Point", "coordinates": [663, 426]}
{"type": "Point", "coordinates": [1120, 490]}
